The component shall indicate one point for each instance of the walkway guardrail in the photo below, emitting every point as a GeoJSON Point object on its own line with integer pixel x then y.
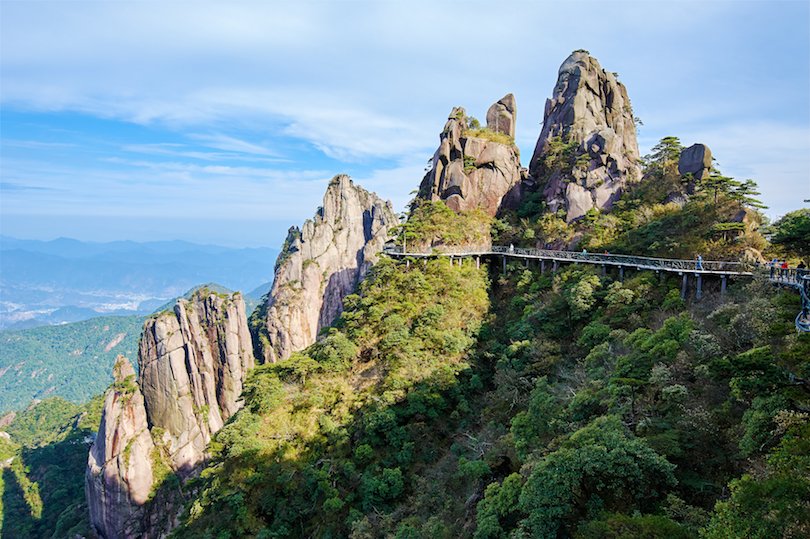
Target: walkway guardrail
{"type": "Point", "coordinates": [640, 262]}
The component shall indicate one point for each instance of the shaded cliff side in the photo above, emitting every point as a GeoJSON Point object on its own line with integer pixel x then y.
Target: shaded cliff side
{"type": "Point", "coordinates": [319, 265]}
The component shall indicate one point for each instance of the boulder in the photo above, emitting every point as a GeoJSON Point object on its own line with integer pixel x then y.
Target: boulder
{"type": "Point", "coordinates": [697, 161]}
{"type": "Point", "coordinates": [502, 115]}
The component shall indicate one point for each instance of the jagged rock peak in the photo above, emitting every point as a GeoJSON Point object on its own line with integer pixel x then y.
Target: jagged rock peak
{"type": "Point", "coordinates": [590, 108]}
{"type": "Point", "coordinates": [319, 265]}
{"type": "Point", "coordinates": [193, 362]}
{"type": "Point", "coordinates": [119, 473]}
{"type": "Point", "coordinates": [476, 168]}
{"type": "Point", "coordinates": [502, 115]}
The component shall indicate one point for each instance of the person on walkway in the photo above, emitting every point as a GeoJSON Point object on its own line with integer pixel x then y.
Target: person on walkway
{"type": "Point", "coordinates": [801, 270]}
{"type": "Point", "coordinates": [511, 248]}
{"type": "Point", "coordinates": [584, 251]}
{"type": "Point", "coordinates": [784, 267]}
{"type": "Point", "coordinates": [699, 263]}
{"type": "Point", "coordinates": [772, 264]}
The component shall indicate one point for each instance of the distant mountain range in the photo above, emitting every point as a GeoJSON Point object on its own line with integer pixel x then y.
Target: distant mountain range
{"type": "Point", "coordinates": [67, 280]}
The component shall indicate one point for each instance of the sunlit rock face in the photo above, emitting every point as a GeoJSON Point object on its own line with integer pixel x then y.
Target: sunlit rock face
{"type": "Point", "coordinates": [589, 107]}
{"type": "Point", "coordinates": [119, 479]}
{"type": "Point", "coordinates": [193, 361]}
{"type": "Point", "coordinates": [320, 264]}
{"type": "Point", "coordinates": [473, 170]}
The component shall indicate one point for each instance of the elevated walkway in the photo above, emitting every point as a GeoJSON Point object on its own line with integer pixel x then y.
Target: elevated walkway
{"type": "Point", "coordinates": [684, 268]}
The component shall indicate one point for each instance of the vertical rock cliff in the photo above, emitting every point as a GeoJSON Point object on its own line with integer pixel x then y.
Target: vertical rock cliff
{"type": "Point", "coordinates": [590, 109]}
{"type": "Point", "coordinates": [473, 167]}
{"type": "Point", "coordinates": [193, 362]}
{"type": "Point", "coordinates": [119, 474]}
{"type": "Point", "coordinates": [319, 265]}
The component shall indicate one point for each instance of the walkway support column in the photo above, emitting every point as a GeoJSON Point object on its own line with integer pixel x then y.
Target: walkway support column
{"type": "Point", "coordinates": [723, 284]}
{"type": "Point", "coordinates": [684, 285]}
{"type": "Point", "coordinates": [604, 270]}
{"type": "Point", "coordinates": [477, 262]}
{"type": "Point", "coordinates": [621, 273]}
{"type": "Point", "coordinates": [542, 266]}
{"type": "Point", "coordinates": [699, 291]}
{"type": "Point", "coordinates": [504, 264]}
{"type": "Point", "coordinates": [554, 267]}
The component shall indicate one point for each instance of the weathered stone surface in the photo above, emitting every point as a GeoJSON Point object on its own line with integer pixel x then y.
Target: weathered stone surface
{"type": "Point", "coordinates": [193, 362]}
{"type": "Point", "coordinates": [502, 115]}
{"type": "Point", "coordinates": [118, 479]}
{"type": "Point", "coordinates": [469, 172]}
{"type": "Point", "coordinates": [695, 160]}
{"type": "Point", "coordinates": [320, 265]}
{"type": "Point", "coordinates": [591, 108]}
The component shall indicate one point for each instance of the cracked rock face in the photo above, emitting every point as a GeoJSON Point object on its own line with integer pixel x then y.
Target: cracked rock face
{"type": "Point", "coordinates": [193, 362]}
{"type": "Point", "coordinates": [469, 172]}
{"type": "Point", "coordinates": [118, 479]}
{"type": "Point", "coordinates": [589, 107]}
{"type": "Point", "coordinates": [321, 264]}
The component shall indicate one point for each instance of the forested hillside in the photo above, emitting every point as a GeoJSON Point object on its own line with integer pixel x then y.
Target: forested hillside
{"type": "Point", "coordinates": [454, 402]}
{"type": "Point", "coordinates": [73, 361]}
{"type": "Point", "coordinates": [43, 455]}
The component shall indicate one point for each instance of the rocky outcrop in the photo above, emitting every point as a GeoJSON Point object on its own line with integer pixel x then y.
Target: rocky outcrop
{"type": "Point", "coordinates": [321, 264]}
{"type": "Point", "coordinates": [193, 361]}
{"type": "Point", "coordinates": [476, 168]}
{"type": "Point", "coordinates": [696, 160]}
{"type": "Point", "coordinates": [502, 116]}
{"type": "Point", "coordinates": [119, 468]}
{"type": "Point", "coordinates": [590, 110]}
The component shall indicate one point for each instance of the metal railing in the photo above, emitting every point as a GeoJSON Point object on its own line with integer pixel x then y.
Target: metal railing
{"type": "Point", "coordinates": [641, 262]}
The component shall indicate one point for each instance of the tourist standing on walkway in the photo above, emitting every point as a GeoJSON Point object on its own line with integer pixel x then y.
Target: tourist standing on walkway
{"type": "Point", "coordinates": [772, 264]}
{"type": "Point", "coordinates": [784, 268]}
{"type": "Point", "coordinates": [699, 263]}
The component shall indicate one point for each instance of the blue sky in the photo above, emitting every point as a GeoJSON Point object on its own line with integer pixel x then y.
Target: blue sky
{"type": "Point", "coordinates": [222, 122]}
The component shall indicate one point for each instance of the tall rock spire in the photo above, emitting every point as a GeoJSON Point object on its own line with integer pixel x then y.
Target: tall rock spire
{"type": "Point", "coordinates": [119, 476]}
{"type": "Point", "coordinates": [590, 109]}
{"type": "Point", "coordinates": [321, 264]}
{"type": "Point", "coordinates": [473, 167]}
{"type": "Point", "coordinates": [193, 361]}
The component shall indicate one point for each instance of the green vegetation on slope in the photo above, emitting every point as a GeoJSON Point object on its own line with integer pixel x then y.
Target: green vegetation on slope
{"type": "Point", "coordinates": [334, 437]}
{"type": "Point", "coordinates": [432, 224]}
{"type": "Point", "coordinates": [578, 405]}
{"type": "Point", "coordinates": [655, 217]}
{"type": "Point", "coordinates": [42, 486]}
{"type": "Point", "coordinates": [73, 361]}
